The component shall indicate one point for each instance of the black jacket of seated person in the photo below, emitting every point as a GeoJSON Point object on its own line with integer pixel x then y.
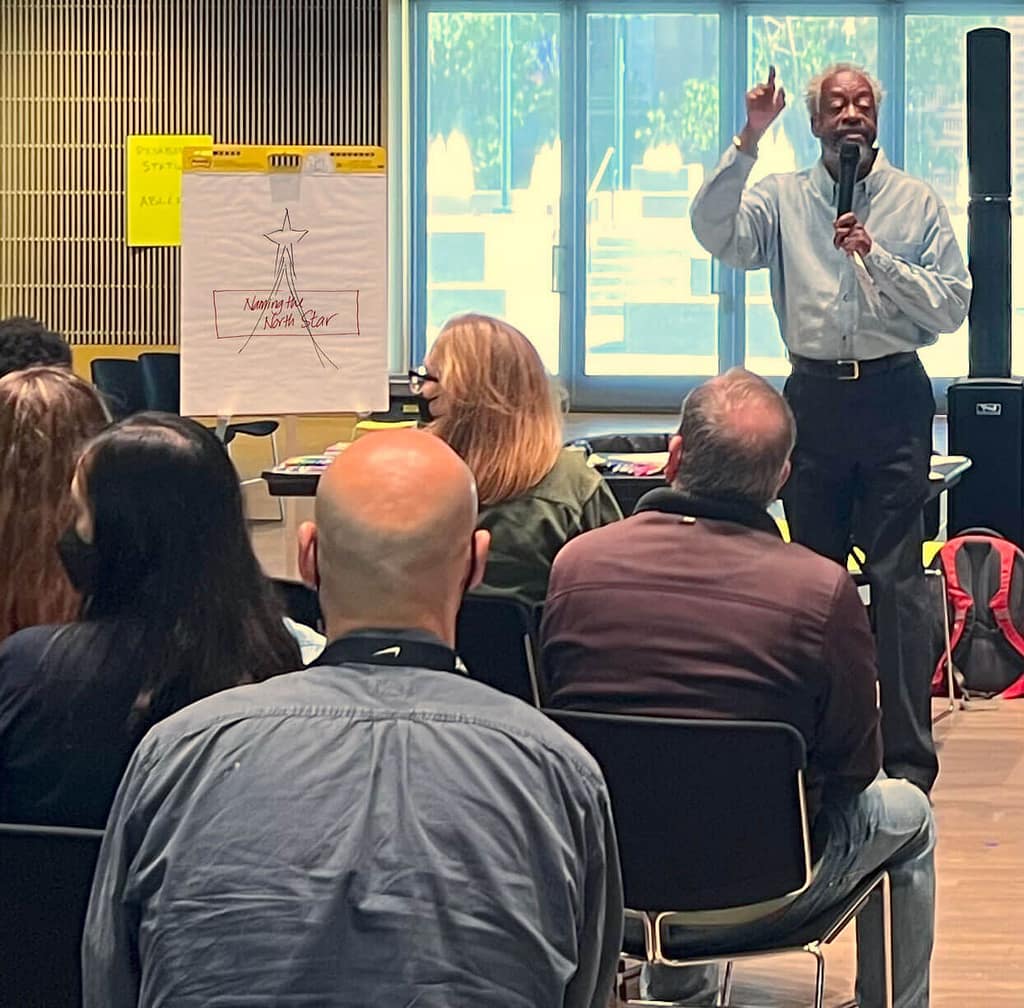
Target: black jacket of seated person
{"type": "Point", "coordinates": [65, 707]}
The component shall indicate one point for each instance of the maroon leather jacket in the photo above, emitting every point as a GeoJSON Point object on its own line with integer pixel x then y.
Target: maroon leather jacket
{"type": "Point", "coordinates": [700, 609]}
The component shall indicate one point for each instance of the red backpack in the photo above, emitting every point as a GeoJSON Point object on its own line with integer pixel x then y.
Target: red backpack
{"type": "Point", "coordinates": [985, 593]}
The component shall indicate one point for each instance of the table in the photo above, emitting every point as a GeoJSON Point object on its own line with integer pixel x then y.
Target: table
{"type": "Point", "coordinates": [947, 471]}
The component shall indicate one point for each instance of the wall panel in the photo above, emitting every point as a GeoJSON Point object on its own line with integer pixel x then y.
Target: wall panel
{"type": "Point", "coordinates": [77, 78]}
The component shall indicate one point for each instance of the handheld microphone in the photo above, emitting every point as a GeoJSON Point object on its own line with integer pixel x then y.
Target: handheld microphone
{"type": "Point", "coordinates": [849, 160]}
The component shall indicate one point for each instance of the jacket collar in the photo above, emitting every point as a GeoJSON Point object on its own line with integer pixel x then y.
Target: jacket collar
{"type": "Point", "coordinates": [870, 184]}
{"type": "Point", "coordinates": [670, 501]}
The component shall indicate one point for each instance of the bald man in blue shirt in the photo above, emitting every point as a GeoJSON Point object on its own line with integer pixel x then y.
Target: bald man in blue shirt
{"type": "Point", "coordinates": [377, 829]}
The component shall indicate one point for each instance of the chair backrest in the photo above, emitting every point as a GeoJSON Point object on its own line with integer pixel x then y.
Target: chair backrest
{"type": "Point", "coordinates": [709, 813]}
{"type": "Point", "coordinates": [627, 490]}
{"type": "Point", "coordinates": [497, 642]}
{"type": "Point", "coordinates": [300, 602]}
{"type": "Point", "coordinates": [45, 877]}
{"type": "Point", "coordinates": [161, 381]}
{"type": "Point", "coordinates": [120, 383]}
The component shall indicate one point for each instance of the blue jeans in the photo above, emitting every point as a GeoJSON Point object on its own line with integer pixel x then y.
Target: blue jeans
{"type": "Point", "coordinates": [890, 825]}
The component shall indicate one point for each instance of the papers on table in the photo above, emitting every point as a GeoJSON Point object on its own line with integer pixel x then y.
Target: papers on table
{"type": "Point", "coordinates": [629, 463]}
{"type": "Point", "coordinates": [310, 465]}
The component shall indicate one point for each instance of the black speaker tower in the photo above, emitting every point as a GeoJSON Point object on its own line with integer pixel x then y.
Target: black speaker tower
{"type": "Point", "coordinates": [988, 211]}
{"type": "Point", "coordinates": [986, 410]}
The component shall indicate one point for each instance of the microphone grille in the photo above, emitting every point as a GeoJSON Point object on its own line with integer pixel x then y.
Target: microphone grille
{"type": "Point", "coordinates": [849, 151]}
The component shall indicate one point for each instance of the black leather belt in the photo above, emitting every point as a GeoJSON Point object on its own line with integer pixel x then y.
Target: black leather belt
{"type": "Point", "coordinates": [850, 370]}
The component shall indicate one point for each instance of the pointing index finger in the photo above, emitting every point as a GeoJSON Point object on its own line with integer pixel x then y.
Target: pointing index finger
{"type": "Point", "coordinates": [771, 75]}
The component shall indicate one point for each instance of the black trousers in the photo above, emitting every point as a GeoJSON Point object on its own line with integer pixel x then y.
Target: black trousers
{"type": "Point", "coordinates": [860, 477]}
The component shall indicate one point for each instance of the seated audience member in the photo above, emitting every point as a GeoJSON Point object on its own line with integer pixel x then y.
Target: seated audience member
{"type": "Point", "coordinates": [695, 607]}
{"type": "Point", "coordinates": [374, 830]}
{"type": "Point", "coordinates": [46, 415]}
{"type": "Point", "coordinates": [175, 608]}
{"type": "Point", "coordinates": [486, 391]}
{"type": "Point", "coordinates": [24, 342]}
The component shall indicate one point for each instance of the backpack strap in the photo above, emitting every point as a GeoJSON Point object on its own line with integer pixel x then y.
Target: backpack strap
{"type": "Point", "coordinates": [1000, 606]}
{"type": "Point", "coordinates": [960, 599]}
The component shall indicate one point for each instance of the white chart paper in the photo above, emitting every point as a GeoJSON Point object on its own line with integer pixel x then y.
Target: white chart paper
{"type": "Point", "coordinates": [283, 293]}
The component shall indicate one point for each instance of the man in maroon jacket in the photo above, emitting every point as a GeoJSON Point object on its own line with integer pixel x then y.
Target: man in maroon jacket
{"type": "Point", "coordinates": [696, 607]}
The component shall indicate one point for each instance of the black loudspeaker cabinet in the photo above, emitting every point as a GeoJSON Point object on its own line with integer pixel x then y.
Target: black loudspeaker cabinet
{"type": "Point", "coordinates": [986, 423]}
{"type": "Point", "coordinates": [988, 211]}
{"type": "Point", "coordinates": [989, 109]}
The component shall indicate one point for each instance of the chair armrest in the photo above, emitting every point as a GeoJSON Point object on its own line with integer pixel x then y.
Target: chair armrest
{"type": "Point", "coordinates": [254, 428]}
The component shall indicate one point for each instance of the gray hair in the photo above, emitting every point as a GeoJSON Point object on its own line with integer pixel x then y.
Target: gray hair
{"type": "Point", "coordinates": [812, 96]}
{"type": "Point", "coordinates": [737, 434]}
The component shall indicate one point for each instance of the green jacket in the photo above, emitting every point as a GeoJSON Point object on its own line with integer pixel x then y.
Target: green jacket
{"type": "Point", "coordinates": [527, 531]}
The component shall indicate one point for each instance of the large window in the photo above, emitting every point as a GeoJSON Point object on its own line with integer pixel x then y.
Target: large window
{"type": "Point", "coordinates": [652, 133]}
{"type": "Point", "coordinates": [493, 170]}
{"type": "Point", "coordinates": [557, 148]}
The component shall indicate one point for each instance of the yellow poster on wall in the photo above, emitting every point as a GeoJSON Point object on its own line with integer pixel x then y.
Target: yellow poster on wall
{"type": "Point", "coordinates": [153, 186]}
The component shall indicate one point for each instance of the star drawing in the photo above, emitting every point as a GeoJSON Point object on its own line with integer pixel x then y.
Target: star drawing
{"type": "Point", "coordinates": [285, 237]}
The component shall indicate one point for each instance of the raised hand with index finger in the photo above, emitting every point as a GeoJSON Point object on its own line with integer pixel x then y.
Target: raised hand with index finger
{"type": "Point", "coordinates": [764, 103]}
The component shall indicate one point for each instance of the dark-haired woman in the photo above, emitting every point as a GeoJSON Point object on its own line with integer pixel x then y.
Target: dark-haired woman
{"type": "Point", "coordinates": [175, 608]}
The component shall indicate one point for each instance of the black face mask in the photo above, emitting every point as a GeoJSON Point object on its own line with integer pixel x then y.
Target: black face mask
{"type": "Point", "coordinates": [81, 561]}
{"type": "Point", "coordinates": [423, 404]}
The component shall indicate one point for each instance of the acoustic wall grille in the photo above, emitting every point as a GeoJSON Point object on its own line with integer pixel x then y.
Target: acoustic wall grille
{"type": "Point", "coordinates": [77, 78]}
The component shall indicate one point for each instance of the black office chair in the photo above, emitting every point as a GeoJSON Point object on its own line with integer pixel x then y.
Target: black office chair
{"type": "Point", "coordinates": [497, 641]}
{"type": "Point", "coordinates": [119, 381]}
{"type": "Point", "coordinates": [710, 815]}
{"type": "Point", "coordinates": [300, 602]}
{"type": "Point", "coordinates": [161, 381]}
{"type": "Point", "coordinates": [45, 877]}
{"type": "Point", "coordinates": [161, 384]}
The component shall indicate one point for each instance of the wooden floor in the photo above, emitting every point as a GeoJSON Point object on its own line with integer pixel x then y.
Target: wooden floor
{"type": "Point", "coordinates": [979, 808]}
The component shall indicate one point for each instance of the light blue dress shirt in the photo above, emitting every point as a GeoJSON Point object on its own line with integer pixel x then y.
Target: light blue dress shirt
{"type": "Point", "coordinates": [356, 835]}
{"type": "Point", "coordinates": [784, 223]}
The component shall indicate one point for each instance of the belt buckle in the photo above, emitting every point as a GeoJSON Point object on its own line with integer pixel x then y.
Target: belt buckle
{"type": "Point", "coordinates": [856, 370]}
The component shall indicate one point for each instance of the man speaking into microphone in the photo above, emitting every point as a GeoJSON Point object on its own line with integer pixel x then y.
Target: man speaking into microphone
{"type": "Point", "coordinates": [862, 276]}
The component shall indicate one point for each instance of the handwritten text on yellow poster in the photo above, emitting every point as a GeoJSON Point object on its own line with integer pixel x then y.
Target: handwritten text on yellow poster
{"type": "Point", "coordinates": [153, 192]}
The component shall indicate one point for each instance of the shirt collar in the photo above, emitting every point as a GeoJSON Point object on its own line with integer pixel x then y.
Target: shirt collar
{"type": "Point", "coordinates": [870, 184]}
{"type": "Point", "coordinates": [424, 648]}
{"type": "Point", "coordinates": [670, 501]}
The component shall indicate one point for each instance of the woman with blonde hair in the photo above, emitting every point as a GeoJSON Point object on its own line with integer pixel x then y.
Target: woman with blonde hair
{"type": "Point", "coordinates": [46, 415]}
{"type": "Point", "coordinates": [485, 392]}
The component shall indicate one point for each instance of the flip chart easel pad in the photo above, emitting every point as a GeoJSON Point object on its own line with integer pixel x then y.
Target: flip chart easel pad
{"type": "Point", "coordinates": [283, 293]}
